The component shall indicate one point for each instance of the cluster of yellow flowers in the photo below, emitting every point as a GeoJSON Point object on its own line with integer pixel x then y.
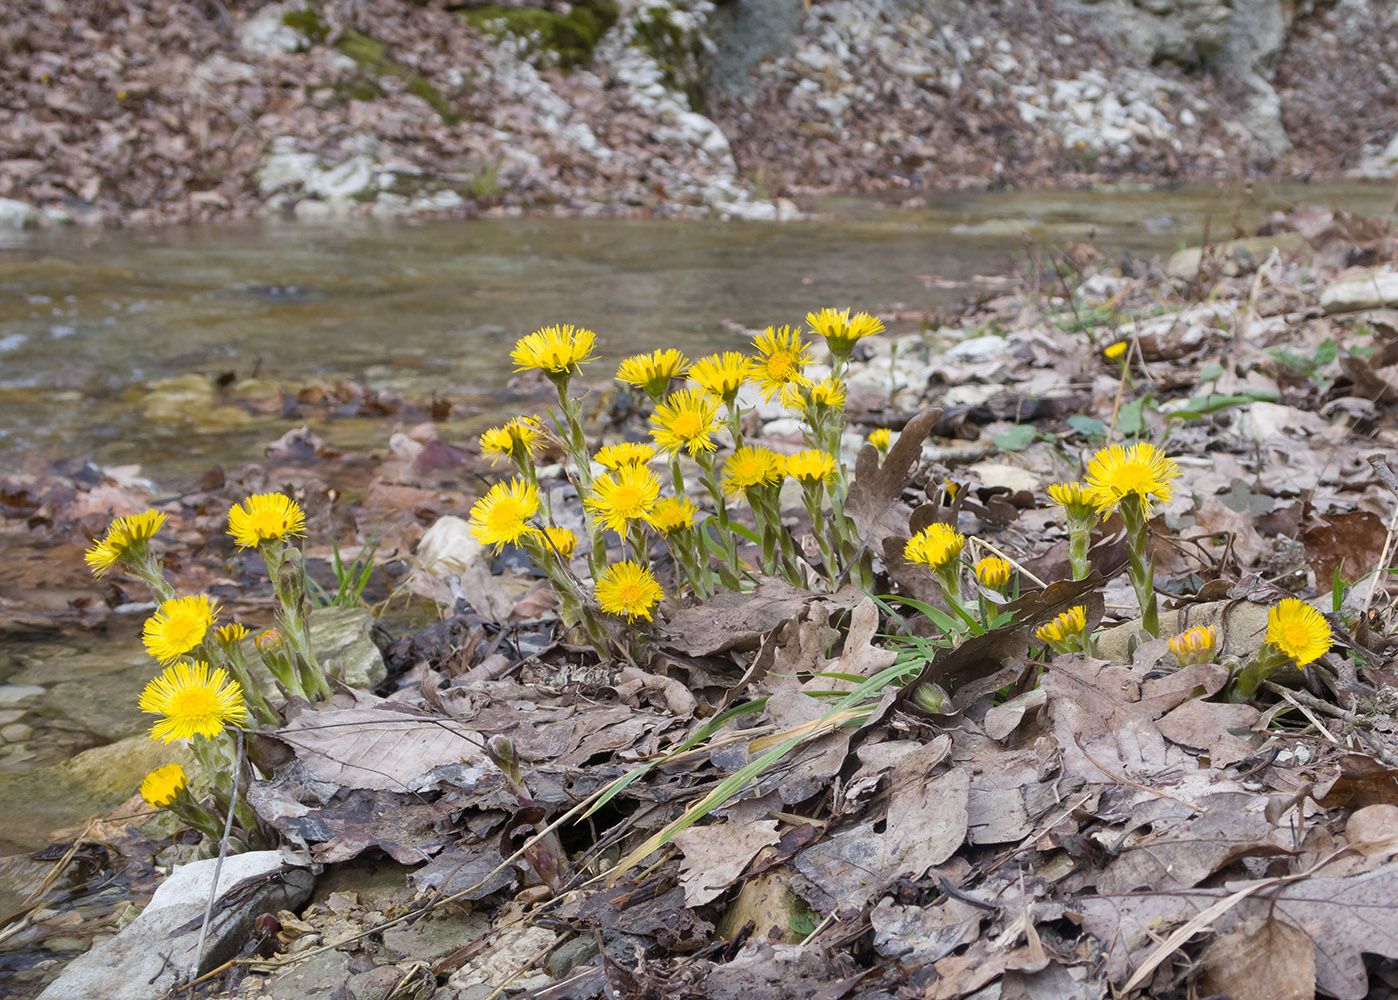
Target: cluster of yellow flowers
{"type": "Point", "coordinates": [205, 686]}
{"type": "Point", "coordinates": [693, 419]}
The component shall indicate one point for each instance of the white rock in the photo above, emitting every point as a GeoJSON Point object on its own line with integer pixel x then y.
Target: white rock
{"type": "Point", "coordinates": [343, 181]}
{"type": "Point", "coordinates": [448, 547]}
{"type": "Point", "coordinates": [1011, 477]}
{"type": "Point", "coordinates": [17, 215]}
{"type": "Point", "coordinates": [147, 957]}
{"type": "Point", "coordinates": [1378, 166]}
{"type": "Point", "coordinates": [1369, 291]}
{"type": "Point", "coordinates": [977, 348]}
{"type": "Point", "coordinates": [265, 33]}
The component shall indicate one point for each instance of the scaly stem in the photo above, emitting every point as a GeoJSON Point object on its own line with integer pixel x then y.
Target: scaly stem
{"type": "Point", "coordinates": [1138, 565]}
{"type": "Point", "coordinates": [1079, 537]}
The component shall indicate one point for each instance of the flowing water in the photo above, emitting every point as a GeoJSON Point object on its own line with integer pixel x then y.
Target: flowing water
{"type": "Point", "coordinates": [94, 326]}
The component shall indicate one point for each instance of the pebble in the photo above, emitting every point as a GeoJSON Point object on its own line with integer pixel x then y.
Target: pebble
{"type": "Point", "coordinates": [15, 732]}
{"type": "Point", "coordinates": [13, 694]}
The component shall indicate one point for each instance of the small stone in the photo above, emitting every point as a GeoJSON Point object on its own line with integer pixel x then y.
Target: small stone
{"type": "Point", "coordinates": [16, 732]}
{"type": "Point", "coordinates": [13, 694]}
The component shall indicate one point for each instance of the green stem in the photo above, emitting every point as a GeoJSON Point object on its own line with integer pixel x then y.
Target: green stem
{"type": "Point", "coordinates": [1079, 538]}
{"type": "Point", "coordinates": [1139, 568]}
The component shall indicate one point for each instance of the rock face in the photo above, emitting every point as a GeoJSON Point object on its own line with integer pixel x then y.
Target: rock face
{"type": "Point", "coordinates": [147, 958]}
{"type": "Point", "coordinates": [1237, 41]}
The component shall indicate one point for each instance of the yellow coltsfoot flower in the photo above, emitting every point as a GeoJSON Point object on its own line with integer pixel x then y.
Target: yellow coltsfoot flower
{"type": "Point", "coordinates": [654, 371]}
{"type": "Point", "coordinates": [557, 351]}
{"type": "Point", "coordinates": [124, 536]}
{"type": "Point", "coordinates": [177, 626]}
{"type": "Point", "coordinates": [673, 514]}
{"type": "Point", "coordinates": [1194, 646]}
{"type": "Point", "coordinates": [561, 540]}
{"type": "Point", "coordinates": [265, 517]}
{"type": "Point", "coordinates": [827, 394]}
{"type": "Point", "coordinates": [1298, 630]}
{"type": "Point", "coordinates": [160, 787]}
{"type": "Point", "coordinates": [1065, 634]}
{"type": "Point", "coordinates": [627, 588]}
{"type": "Point", "coordinates": [842, 331]}
{"type": "Point", "coordinates": [502, 516]}
{"type": "Point", "coordinates": [937, 546]}
{"type": "Point", "coordinates": [781, 356]}
{"type": "Point", "coordinates": [722, 375]}
{"type": "Point", "coordinates": [752, 466]}
{"type": "Point", "coordinates": [810, 467]}
{"type": "Point", "coordinates": [1142, 471]}
{"type": "Point", "coordinates": [1115, 351]}
{"type": "Point", "coordinates": [521, 436]}
{"type": "Point", "coordinates": [994, 573]}
{"type": "Point", "coordinates": [687, 419]}
{"type": "Point", "coordinates": [1075, 502]}
{"type": "Point", "coordinates": [195, 700]}
{"type": "Point", "coordinates": [614, 456]}
{"type": "Point", "coordinates": [627, 495]}
{"type": "Point", "coordinates": [882, 439]}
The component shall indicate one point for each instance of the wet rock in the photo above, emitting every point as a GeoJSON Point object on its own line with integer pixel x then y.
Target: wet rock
{"type": "Point", "coordinates": [1380, 165]}
{"type": "Point", "coordinates": [345, 635]}
{"type": "Point", "coordinates": [43, 799]}
{"type": "Point", "coordinates": [13, 694]}
{"type": "Point", "coordinates": [436, 936]}
{"type": "Point", "coordinates": [149, 957]}
{"type": "Point", "coordinates": [190, 400]}
{"type": "Point", "coordinates": [17, 215]}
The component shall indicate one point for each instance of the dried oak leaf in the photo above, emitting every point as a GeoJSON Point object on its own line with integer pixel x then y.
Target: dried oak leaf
{"type": "Point", "coordinates": [716, 854]}
{"type": "Point", "coordinates": [1344, 918]}
{"type": "Point", "coordinates": [731, 620]}
{"type": "Point", "coordinates": [1261, 959]}
{"type": "Point", "coordinates": [875, 501]}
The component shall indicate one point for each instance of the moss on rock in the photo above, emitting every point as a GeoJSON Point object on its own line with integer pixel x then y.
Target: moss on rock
{"type": "Point", "coordinates": [566, 39]}
{"type": "Point", "coordinates": [678, 53]}
{"type": "Point", "coordinates": [311, 25]}
{"type": "Point", "coordinates": [369, 54]}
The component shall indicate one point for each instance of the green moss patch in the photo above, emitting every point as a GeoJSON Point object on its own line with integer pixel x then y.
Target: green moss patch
{"type": "Point", "coordinates": [567, 38]}
{"type": "Point", "coordinates": [370, 56]}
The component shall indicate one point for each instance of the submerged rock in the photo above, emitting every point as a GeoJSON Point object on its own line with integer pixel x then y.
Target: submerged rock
{"type": "Point", "coordinates": [154, 953]}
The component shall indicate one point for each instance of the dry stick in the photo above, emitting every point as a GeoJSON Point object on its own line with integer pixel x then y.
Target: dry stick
{"type": "Point", "coordinates": [1360, 723]}
{"type": "Point", "coordinates": [222, 852]}
{"type": "Point", "coordinates": [1387, 477]}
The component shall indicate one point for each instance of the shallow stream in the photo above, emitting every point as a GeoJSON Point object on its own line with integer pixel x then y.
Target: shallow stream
{"type": "Point", "coordinates": [92, 322]}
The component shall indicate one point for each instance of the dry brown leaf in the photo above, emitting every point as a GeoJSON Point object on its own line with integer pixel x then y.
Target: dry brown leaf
{"type": "Point", "coordinates": [1206, 725]}
{"type": "Point", "coordinates": [1260, 959]}
{"type": "Point", "coordinates": [733, 621]}
{"type": "Point", "coordinates": [875, 501]}
{"type": "Point", "coordinates": [716, 854]}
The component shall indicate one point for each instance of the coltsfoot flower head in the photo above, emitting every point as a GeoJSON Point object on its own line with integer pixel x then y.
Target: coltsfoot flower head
{"type": "Point", "coordinates": [563, 540]}
{"type": "Point", "coordinates": [881, 438]}
{"type": "Point", "coordinates": [521, 436]}
{"type": "Point", "coordinates": [842, 331]}
{"type": "Point", "coordinates": [781, 356]}
{"type": "Point", "coordinates": [687, 419]}
{"type": "Point", "coordinates": [1073, 499]}
{"type": "Point", "coordinates": [1298, 630]}
{"type": "Point", "coordinates": [160, 787]}
{"type": "Point", "coordinates": [557, 351]}
{"type": "Point", "coordinates": [994, 573]}
{"type": "Point", "coordinates": [1142, 471]}
{"type": "Point", "coordinates": [627, 495]}
{"type": "Point", "coordinates": [1115, 351]}
{"type": "Point", "coordinates": [614, 456]}
{"type": "Point", "coordinates": [627, 588]}
{"type": "Point", "coordinates": [1065, 633]}
{"type": "Point", "coordinates": [502, 516]}
{"type": "Point", "coordinates": [1194, 646]}
{"type": "Point", "coordinates": [827, 394]}
{"type": "Point", "coordinates": [722, 375]}
{"type": "Point", "coordinates": [124, 536]}
{"type": "Point", "coordinates": [653, 372]}
{"type": "Point", "coordinates": [194, 699]}
{"type": "Point", "coordinates": [810, 467]}
{"type": "Point", "coordinates": [937, 545]}
{"type": "Point", "coordinates": [177, 626]}
{"type": "Point", "coordinates": [752, 466]}
{"type": "Point", "coordinates": [265, 517]}
{"type": "Point", "coordinates": [232, 634]}
{"type": "Point", "coordinates": [674, 514]}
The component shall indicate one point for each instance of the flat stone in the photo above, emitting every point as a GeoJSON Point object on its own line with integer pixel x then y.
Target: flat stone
{"type": "Point", "coordinates": [433, 937]}
{"type": "Point", "coordinates": [1372, 290]}
{"type": "Point", "coordinates": [1185, 263]}
{"type": "Point", "coordinates": [146, 958]}
{"type": "Point", "coordinates": [13, 694]}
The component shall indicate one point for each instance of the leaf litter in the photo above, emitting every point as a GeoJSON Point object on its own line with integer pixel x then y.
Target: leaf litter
{"type": "Point", "coordinates": [759, 806]}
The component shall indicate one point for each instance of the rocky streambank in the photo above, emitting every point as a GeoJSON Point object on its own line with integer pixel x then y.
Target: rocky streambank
{"type": "Point", "coordinates": [144, 111]}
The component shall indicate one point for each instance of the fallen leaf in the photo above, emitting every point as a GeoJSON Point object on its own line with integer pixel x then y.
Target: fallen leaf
{"type": "Point", "coordinates": [1260, 959]}
{"type": "Point", "coordinates": [716, 854]}
{"type": "Point", "coordinates": [874, 502]}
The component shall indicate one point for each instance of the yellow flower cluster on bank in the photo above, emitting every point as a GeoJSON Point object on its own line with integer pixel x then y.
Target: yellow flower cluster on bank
{"type": "Point", "coordinates": [697, 414]}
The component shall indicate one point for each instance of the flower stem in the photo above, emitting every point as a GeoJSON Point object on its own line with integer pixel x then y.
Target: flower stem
{"type": "Point", "coordinates": [1139, 568]}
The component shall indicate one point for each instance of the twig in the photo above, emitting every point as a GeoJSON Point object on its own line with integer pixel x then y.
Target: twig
{"type": "Point", "coordinates": [222, 852]}
{"type": "Point", "coordinates": [1387, 477]}
{"type": "Point", "coordinates": [1360, 726]}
